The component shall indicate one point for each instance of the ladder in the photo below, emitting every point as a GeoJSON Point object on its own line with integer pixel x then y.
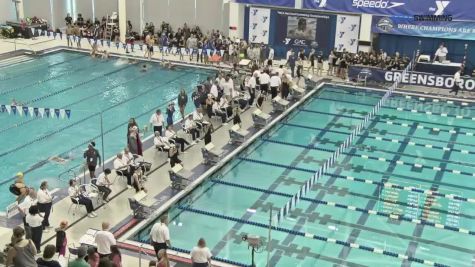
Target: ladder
{"type": "Point", "coordinates": [110, 25]}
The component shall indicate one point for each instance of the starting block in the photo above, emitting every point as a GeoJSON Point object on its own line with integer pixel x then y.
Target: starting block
{"type": "Point", "coordinates": [236, 135]}
{"type": "Point", "coordinates": [280, 104]}
{"type": "Point", "coordinates": [260, 118]}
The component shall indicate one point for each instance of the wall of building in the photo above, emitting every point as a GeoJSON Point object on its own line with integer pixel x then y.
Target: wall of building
{"type": "Point", "coordinates": [7, 11]}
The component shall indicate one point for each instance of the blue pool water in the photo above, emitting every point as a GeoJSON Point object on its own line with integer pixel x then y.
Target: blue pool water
{"type": "Point", "coordinates": [366, 199]}
{"type": "Point", "coordinates": [87, 87]}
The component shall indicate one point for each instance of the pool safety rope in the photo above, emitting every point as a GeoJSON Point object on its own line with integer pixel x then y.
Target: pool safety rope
{"type": "Point", "coordinates": [392, 216]}
{"type": "Point", "coordinates": [293, 201]}
{"type": "Point", "coordinates": [46, 80]}
{"type": "Point", "coordinates": [41, 69]}
{"type": "Point", "coordinates": [393, 122]}
{"type": "Point", "coordinates": [423, 99]}
{"type": "Point", "coordinates": [312, 236]}
{"type": "Point", "coordinates": [82, 120]}
{"type": "Point", "coordinates": [367, 181]}
{"type": "Point", "coordinates": [380, 138]}
{"type": "Point", "coordinates": [405, 109]}
{"type": "Point", "coordinates": [108, 88]}
{"type": "Point", "coordinates": [382, 159]}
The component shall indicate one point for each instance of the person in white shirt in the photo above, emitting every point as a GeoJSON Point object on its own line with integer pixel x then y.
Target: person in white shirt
{"type": "Point", "coordinates": [156, 120]}
{"type": "Point", "coordinates": [103, 184]}
{"type": "Point", "coordinates": [270, 58]}
{"type": "Point", "coordinates": [45, 202]}
{"type": "Point", "coordinates": [214, 90]}
{"type": "Point", "coordinates": [78, 198]}
{"type": "Point", "coordinates": [252, 89]}
{"type": "Point", "coordinates": [198, 118]}
{"type": "Point", "coordinates": [441, 53]}
{"type": "Point", "coordinates": [127, 157]}
{"type": "Point", "coordinates": [457, 82]}
{"type": "Point", "coordinates": [160, 235]}
{"type": "Point", "coordinates": [104, 240]}
{"type": "Point", "coordinates": [225, 107]}
{"type": "Point", "coordinates": [161, 142]}
{"type": "Point", "coordinates": [200, 255]}
{"type": "Point", "coordinates": [264, 79]}
{"type": "Point", "coordinates": [275, 83]}
{"type": "Point", "coordinates": [24, 206]}
{"type": "Point", "coordinates": [228, 87]}
{"type": "Point", "coordinates": [170, 136]}
{"type": "Point", "coordinates": [288, 54]}
{"type": "Point", "coordinates": [123, 168]}
{"type": "Point", "coordinates": [216, 109]}
{"type": "Point", "coordinates": [35, 222]}
{"type": "Point", "coordinates": [191, 128]}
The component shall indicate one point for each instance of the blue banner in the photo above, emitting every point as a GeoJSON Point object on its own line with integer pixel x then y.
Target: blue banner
{"type": "Point", "coordinates": [458, 9]}
{"type": "Point", "coordinates": [411, 78]}
{"type": "Point", "coordinates": [286, 3]}
{"type": "Point", "coordinates": [437, 29]}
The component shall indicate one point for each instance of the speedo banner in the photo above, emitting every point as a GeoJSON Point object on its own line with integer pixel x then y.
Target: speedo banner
{"type": "Point", "coordinates": [411, 78]}
{"type": "Point", "coordinates": [458, 9]}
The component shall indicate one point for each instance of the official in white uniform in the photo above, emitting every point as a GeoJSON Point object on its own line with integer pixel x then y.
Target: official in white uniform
{"type": "Point", "coordinates": [441, 53]}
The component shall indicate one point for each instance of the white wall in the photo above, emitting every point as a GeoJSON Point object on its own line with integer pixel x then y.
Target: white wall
{"type": "Point", "coordinates": [133, 14]}
{"type": "Point", "coordinates": [7, 11]}
{"type": "Point", "coordinates": [38, 8]}
{"type": "Point", "coordinates": [105, 7]}
{"type": "Point", "coordinates": [236, 19]}
{"type": "Point", "coordinates": [84, 7]}
{"type": "Point", "coordinates": [365, 27]}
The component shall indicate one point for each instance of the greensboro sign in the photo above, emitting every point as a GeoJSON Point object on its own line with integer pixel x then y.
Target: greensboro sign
{"type": "Point", "coordinates": [411, 78]}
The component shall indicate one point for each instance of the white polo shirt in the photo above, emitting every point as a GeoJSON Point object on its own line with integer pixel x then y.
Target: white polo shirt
{"type": "Point", "coordinates": [214, 90]}
{"type": "Point", "coordinates": [252, 82]}
{"type": "Point", "coordinates": [33, 221]}
{"type": "Point", "coordinates": [119, 164]}
{"type": "Point", "coordinates": [101, 180]}
{"type": "Point", "coordinates": [264, 78]}
{"type": "Point", "coordinates": [104, 241]}
{"type": "Point", "coordinates": [44, 196]}
{"type": "Point", "coordinates": [275, 81]}
{"type": "Point", "coordinates": [156, 120]}
{"type": "Point", "coordinates": [228, 87]}
{"type": "Point", "coordinates": [160, 233]}
{"type": "Point", "coordinates": [200, 255]}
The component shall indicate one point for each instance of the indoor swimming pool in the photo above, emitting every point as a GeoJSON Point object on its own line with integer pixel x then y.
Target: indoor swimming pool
{"type": "Point", "coordinates": [88, 87]}
{"type": "Point", "coordinates": [402, 195]}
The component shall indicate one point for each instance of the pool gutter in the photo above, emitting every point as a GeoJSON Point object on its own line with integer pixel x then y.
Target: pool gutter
{"type": "Point", "coordinates": [125, 238]}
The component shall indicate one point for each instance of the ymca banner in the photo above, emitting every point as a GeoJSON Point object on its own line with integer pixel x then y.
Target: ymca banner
{"type": "Point", "coordinates": [462, 30]}
{"type": "Point", "coordinates": [461, 9]}
{"type": "Point", "coordinates": [347, 33]}
{"type": "Point", "coordinates": [286, 3]}
{"type": "Point", "coordinates": [259, 24]}
{"type": "Point", "coordinates": [408, 78]}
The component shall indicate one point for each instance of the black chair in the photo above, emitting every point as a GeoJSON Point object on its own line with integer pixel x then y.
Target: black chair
{"type": "Point", "coordinates": [139, 210]}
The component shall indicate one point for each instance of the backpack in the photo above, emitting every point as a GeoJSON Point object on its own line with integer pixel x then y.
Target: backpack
{"type": "Point", "coordinates": [14, 189]}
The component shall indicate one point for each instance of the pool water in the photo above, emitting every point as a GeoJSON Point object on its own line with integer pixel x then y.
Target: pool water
{"type": "Point", "coordinates": [88, 87]}
{"type": "Point", "coordinates": [373, 196]}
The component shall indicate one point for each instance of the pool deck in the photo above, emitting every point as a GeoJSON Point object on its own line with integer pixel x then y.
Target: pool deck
{"type": "Point", "coordinates": [158, 182]}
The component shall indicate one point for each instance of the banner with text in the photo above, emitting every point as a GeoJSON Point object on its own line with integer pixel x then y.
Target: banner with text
{"type": "Point", "coordinates": [410, 78]}
{"type": "Point", "coordinates": [286, 3]}
{"type": "Point", "coordinates": [259, 23]}
{"type": "Point", "coordinates": [461, 9]}
{"type": "Point", "coordinates": [302, 30]}
{"type": "Point", "coordinates": [347, 33]}
{"type": "Point", "coordinates": [437, 29]}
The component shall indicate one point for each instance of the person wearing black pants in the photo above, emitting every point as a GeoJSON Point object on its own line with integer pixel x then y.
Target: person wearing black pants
{"type": "Point", "coordinates": [103, 184]}
{"type": "Point", "coordinates": [35, 222]}
{"type": "Point", "coordinates": [173, 155]}
{"type": "Point", "coordinates": [78, 198]}
{"type": "Point", "coordinates": [45, 203]}
{"type": "Point", "coordinates": [457, 82]}
{"type": "Point", "coordinates": [171, 135]}
{"type": "Point", "coordinates": [190, 128]}
{"type": "Point", "coordinates": [121, 168]}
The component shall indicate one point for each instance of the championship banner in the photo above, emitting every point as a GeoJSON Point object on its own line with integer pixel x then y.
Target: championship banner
{"type": "Point", "coordinates": [347, 33]}
{"type": "Point", "coordinates": [462, 30]}
{"type": "Point", "coordinates": [458, 10]}
{"type": "Point", "coordinates": [286, 3]}
{"type": "Point", "coordinates": [410, 78]}
{"type": "Point", "coordinates": [259, 24]}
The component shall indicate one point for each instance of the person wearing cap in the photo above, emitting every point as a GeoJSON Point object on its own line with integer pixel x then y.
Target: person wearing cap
{"type": "Point", "coordinates": [92, 157]}
{"type": "Point", "coordinates": [156, 120]}
{"type": "Point", "coordinates": [21, 186]}
{"type": "Point", "coordinates": [170, 112]}
{"type": "Point", "coordinates": [104, 240]}
{"type": "Point", "coordinates": [80, 261]}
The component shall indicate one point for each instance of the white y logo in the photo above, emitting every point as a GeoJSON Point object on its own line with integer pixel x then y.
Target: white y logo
{"type": "Point", "coordinates": [441, 5]}
{"type": "Point", "coordinates": [321, 3]}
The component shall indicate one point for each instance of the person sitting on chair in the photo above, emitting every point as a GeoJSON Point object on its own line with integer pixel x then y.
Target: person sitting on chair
{"type": "Point", "coordinates": [190, 127]}
{"type": "Point", "coordinates": [103, 183]}
{"type": "Point", "coordinates": [173, 156]}
{"type": "Point", "coordinates": [160, 142]}
{"type": "Point", "coordinates": [123, 168]}
{"type": "Point", "coordinates": [77, 197]}
{"type": "Point", "coordinates": [198, 118]}
{"type": "Point", "coordinates": [171, 137]}
{"type": "Point", "coordinates": [216, 110]}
